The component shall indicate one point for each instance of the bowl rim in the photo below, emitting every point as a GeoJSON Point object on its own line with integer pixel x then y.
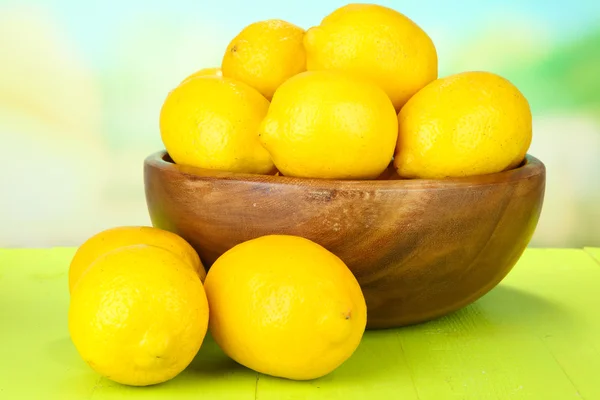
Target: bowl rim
{"type": "Point", "coordinates": [530, 167]}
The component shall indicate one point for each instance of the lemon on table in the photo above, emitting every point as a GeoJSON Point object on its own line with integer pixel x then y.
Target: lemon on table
{"type": "Point", "coordinates": [285, 306]}
{"type": "Point", "coordinates": [325, 124]}
{"type": "Point", "coordinates": [377, 43]}
{"type": "Point", "coordinates": [471, 123]}
{"type": "Point", "coordinates": [139, 315]}
{"type": "Point", "coordinates": [265, 54]}
{"type": "Point", "coordinates": [113, 238]}
{"type": "Point", "coordinates": [213, 71]}
{"type": "Point", "coordinates": [211, 122]}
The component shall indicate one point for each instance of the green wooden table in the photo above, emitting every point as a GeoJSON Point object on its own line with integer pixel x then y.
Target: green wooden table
{"type": "Point", "coordinates": [535, 336]}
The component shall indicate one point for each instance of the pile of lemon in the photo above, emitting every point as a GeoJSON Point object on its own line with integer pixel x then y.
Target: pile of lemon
{"type": "Point", "coordinates": [142, 302]}
{"type": "Point", "coordinates": [342, 100]}
{"type": "Point", "coordinates": [346, 99]}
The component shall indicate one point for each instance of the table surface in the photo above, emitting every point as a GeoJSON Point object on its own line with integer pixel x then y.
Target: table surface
{"type": "Point", "coordinates": [535, 336]}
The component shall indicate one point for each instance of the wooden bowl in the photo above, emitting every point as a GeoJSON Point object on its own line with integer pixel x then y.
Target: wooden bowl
{"type": "Point", "coordinates": [420, 249]}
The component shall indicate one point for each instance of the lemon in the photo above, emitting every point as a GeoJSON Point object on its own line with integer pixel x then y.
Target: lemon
{"type": "Point", "coordinates": [113, 238]}
{"type": "Point", "coordinates": [139, 315]}
{"type": "Point", "coordinates": [265, 54]}
{"type": "Point", "coordinates": [211, 122]}
{"type": "Point", "coordinates": [285, 306]}
{"type": "Point", "coordinates": [377, 43]}
{"type": "Point", "coordinates": [213, 71]}
{"type": "Point", "coordinates": [325, 124]}
{"type": "Point", "coordinates": [471, 123]}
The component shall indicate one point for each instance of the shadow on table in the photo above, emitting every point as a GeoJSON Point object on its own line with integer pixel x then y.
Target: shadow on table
{"type": "Point", "coordinates": [211, 362]}
{"type": "Point", "coordinates": [505, 307]}
{"type": "Point", "coordinates": [63, 352]}
{"type": "Point", "coordinates": [509, 305]}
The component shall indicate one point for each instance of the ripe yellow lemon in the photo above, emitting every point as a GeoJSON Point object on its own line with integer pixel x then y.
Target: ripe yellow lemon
{"type": "Point", "coordinates": [325, 124]}
{"type": "Point", "coordinates": [113, 238]}
{"type": "Point", "coordinates": [265, 54]}
{"type": "Point", "coordinates": [211, 122]}
{"type": "Point", "coordinates": [139, 315]}
{"type": "Point", "coordinates": [471, 123]}
{"type": "Point", "coordinates": [377, 43]}
{"type": "Point", "coordinates": [214, 71]}
{"type": "Point", "coordinates": [285, 306]}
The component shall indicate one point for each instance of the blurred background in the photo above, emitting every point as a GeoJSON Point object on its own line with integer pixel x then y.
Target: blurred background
{"type": "Point", "coordinates": [82, 83]}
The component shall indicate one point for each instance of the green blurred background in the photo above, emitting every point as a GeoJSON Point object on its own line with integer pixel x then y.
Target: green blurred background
{"type": "Point", "coordinates": [82, 83]}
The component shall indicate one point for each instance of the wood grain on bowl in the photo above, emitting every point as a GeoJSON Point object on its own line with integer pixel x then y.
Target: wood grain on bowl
{"type": "Point", "coordinates": [419, 248]}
